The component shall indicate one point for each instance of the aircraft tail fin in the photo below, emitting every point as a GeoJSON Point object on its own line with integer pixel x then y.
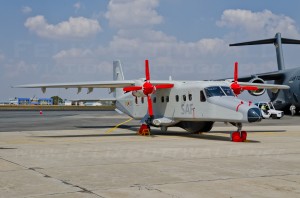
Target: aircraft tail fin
{"type": "Point", "coordinates": [117, 75]}
{"type": "Point", "coordinates": [277, 41]}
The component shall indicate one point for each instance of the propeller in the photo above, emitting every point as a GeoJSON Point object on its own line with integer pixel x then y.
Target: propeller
{"type": "Point", "coordinates": [148, 88]}
{"type": "Point", "coordinates": [236, 87]}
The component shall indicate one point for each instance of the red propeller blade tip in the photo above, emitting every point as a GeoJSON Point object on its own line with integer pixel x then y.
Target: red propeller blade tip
{"type": "Point", "coordinates": [236, 71]}
{"type": "Point", "coordinates": [132, 88]}
{"type": "Point", "coordinates": [147, 71]}
{"type": "Point", "coordinates": [164, 86]}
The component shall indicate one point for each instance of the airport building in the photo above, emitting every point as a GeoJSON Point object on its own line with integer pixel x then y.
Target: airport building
{"type": "Point", "coordinates": [29, 101]}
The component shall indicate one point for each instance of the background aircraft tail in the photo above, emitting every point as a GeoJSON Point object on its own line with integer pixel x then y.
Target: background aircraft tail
{"type": "Point", "coordinates": [277, 41]}
{"type": "Point", "coordinates": [118, 75]}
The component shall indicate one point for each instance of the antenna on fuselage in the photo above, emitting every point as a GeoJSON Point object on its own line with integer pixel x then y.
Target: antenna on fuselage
{"type": "Point", "coordinates": [277, 41]}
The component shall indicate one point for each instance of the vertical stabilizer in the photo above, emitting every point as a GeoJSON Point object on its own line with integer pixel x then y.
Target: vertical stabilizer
{"type": "Point", "coordinates": [279, 53]}
{"type": "Point", "coordinates": [118, 75]}
{"type": "Point", "coordinates": [277, 41]}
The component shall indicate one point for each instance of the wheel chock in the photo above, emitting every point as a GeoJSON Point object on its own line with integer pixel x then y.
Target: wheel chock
{"type": "Point", "coordinates": [144, 130]}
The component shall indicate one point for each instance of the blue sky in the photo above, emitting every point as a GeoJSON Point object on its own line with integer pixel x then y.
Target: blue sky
{"type": "Point", "coordinates": [68, 41]}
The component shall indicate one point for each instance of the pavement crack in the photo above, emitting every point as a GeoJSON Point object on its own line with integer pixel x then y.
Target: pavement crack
{"type": "Point", "coordinates": [81, 189]}
{"type": "Point", "coordinates": [151, 188]}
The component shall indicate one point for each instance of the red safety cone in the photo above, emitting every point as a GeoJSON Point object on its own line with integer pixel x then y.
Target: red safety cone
{"type": "Point", "coordinates": [41, 112]}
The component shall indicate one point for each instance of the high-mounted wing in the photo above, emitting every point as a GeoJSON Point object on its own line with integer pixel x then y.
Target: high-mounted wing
{"type": "Point", "coordinates": [265, 86]}
{"type": "Point", "coordinates": [80, 85]}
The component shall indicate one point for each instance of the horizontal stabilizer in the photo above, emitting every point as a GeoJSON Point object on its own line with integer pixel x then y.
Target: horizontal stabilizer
{"type": "Point", "coordinates": [277, 41]}
{"type": "Point", "coordinates": [289, 41]}
{"type": "Point", "coordinates": [258, 42]}
{"type": "Point", "coordinates": [267, 41]}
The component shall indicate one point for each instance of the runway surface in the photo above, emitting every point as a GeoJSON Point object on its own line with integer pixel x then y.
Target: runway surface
{"type": "Point", "coordinates": [72, 154]}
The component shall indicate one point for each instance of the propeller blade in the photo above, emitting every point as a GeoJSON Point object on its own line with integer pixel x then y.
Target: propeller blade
{"type": "Point", "coordinates": [132, 88]}
{"type": "Point", "coordinates": [236, 71]}
{"type": "Point", "coordinates": [147, 71]}
{"type": "Point", "coordinates": [251, 88]}
{"type": "Point", "coordinates": [150, 108]}
{"type": "Point", "coordinates": [164, 86]}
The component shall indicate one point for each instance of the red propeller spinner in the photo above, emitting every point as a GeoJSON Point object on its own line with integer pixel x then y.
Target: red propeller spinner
{"type": "Point", "coordinates": [237, 88]}
{"type": "Point", "coordinates": [148, 88]}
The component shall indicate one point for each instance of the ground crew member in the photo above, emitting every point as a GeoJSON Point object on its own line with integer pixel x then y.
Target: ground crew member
{"type": "Point", "coordinates": [264, 108]}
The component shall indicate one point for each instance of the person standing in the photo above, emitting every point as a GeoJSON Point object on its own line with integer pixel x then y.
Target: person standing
{"type": "Point", "coordinates": [293, 109]}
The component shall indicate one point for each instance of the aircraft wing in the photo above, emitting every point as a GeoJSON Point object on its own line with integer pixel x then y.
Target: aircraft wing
{"type": "Point", "coordinates": [79, 85]}
{"type": "Point", "coordinates": [95, 84]}
{"type": "Point", "coordinates": [265, 86]}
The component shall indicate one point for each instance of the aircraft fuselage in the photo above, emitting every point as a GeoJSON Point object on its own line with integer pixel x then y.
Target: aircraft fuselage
{"type": "Point", "coordinates": [197, 101]}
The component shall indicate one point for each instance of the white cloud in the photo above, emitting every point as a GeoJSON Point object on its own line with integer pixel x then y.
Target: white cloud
{"type": "Point", "coordinates": [264, 22]}
{"type": "Point", "coordinates": [136, 40]}
{"type": "Point", "coordinates": [77, 6]}
{"type": "Point", "coordinates": [26, 9]}
{"type": "Point", "coordinates": [82, 61]}
{"type": "Point", "coordinates": [133, 13]}
{"type": "Point", "coordinates": [78, 27]}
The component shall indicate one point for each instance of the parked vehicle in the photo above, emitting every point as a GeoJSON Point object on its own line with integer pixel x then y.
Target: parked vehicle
{"type": "Point", "coordinates": [268, 110]}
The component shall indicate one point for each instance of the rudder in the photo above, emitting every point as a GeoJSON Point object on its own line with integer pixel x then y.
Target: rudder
{"type": "Point", "coordinates": [117, 75]}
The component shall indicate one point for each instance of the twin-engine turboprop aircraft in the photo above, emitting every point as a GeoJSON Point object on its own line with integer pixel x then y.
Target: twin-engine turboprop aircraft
{"type": "Point", "coordinates": [191, 105]}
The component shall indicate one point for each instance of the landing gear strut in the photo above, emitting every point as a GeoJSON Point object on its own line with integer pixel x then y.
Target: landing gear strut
{"type": "Point", "coordinates": [239, 135]}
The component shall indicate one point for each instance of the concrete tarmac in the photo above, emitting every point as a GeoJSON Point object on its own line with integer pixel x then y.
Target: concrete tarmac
{"type": "Point", "coordinates": [72, 154]}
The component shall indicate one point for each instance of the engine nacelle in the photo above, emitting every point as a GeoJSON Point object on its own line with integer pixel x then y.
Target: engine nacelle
{"type": "Point", "coordinates": [138, 93]}
{"type": "Point", "coordinates": [258, 92]}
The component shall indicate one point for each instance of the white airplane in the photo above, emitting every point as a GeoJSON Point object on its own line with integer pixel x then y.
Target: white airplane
{"type": "Point", "coordinates": [191, 105]}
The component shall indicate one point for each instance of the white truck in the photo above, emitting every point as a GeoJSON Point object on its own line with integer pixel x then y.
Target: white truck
{"type": "Point", "coordinates": [268, 110]}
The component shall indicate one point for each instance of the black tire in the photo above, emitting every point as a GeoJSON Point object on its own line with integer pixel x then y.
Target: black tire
{"type": "Point", "coordinates": [274, 116]}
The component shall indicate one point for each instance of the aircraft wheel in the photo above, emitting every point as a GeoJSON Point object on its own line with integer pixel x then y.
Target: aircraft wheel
{"type": "Point", "coordinates": [164, 129]}
{"type": "Point", "coordinates": [235, 137]}
{"type": "Point", "coordinates": [243, 136]}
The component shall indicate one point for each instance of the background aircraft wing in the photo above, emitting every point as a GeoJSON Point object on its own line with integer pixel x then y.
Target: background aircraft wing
{"type": "Point", "coordinates": [276, 75]}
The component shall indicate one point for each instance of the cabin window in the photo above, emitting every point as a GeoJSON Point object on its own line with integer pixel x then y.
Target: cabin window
{"type": "Point", "coordinates": [167, 99]}
{"type": "Point", "coordinates": [184, 97]}
{"type": "Point", "coordinates": [214, 91]}
{"type": "Point", "coordinates": [136, 100]}
{"type": "Point", "coordinates": [177, 98]}
{"type": "Point", "coordinates": [202, 96]}
{"type": "Point", "coordinates": [162, 99]}
{"type": "Point", "coordinates": [142, 100]}
{"type": "Point", "coordinates": [190, 97]}
{"type": "Point", "coordinates": [154, 99]}
{"type": "Point", "coordinates": [227, 91]}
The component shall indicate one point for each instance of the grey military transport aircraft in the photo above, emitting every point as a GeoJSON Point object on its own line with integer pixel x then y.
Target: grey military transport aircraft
{"type": "Point", "coordinates": [191, 105]}
{"type": "Point", "coordinates": [291, 77]}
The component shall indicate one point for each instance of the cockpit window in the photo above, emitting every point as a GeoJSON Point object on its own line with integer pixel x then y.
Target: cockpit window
{"type": "Point", "coordinates": [214, 91]}
{"type": "Point", "coordinates": [227, 91]}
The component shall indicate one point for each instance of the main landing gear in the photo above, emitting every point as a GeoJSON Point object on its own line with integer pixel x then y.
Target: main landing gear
{"type": "Point", "coordinates": [239, 135]}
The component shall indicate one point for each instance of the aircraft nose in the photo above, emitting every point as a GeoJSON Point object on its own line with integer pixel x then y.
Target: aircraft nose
{"type": "Point", "coordinates": [254, 115]}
